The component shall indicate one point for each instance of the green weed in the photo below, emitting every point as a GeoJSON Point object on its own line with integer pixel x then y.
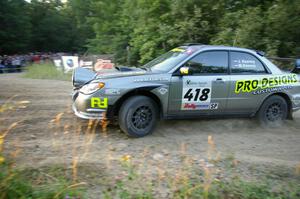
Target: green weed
{"type": "Point", "coordinates": [46, 71]}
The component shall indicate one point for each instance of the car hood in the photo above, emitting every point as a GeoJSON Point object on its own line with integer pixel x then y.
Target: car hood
{"type": "Point", "coordinates": [82, 76]}
{"type": "Point", "coordinates": [123, 72]}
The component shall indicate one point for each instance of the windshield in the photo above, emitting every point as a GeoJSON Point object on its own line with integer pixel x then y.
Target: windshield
{"type": "Point", "coordinates": [167, 61]}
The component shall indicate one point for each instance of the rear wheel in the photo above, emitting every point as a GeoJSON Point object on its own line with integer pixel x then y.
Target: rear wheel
{"type": "Point", "coordinates": [138, 116]}
{"type": "Point", "coordinates": [273, 111]}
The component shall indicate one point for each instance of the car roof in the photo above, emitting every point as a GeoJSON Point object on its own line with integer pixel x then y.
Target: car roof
{"type": "Point", "coordinates": [220, 47]}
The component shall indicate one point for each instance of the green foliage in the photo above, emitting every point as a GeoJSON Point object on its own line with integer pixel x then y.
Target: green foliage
{"type": "Point", "coordinates": [242, 28]}
{"type": "Point", "coordinates": [264, 26]}
{"type": "Point", "coordinates": [53, 28]}
{"type": "Point", "coordinates": [12, 185]}
{"type": "Point", "coordinates": [80, 10]}
{"type": "Point", "coordinates": [15, 184]}
{"type": "Point", "coordinates": [136, 31]}
{"type": "Point", "coordinates": [46, 71]}
{"type": "Point", "coordinates": [14, 26]}
{"type": "Point", "coordinates": [282, 27]}
{"type": "Point", "coordinates": [39, 26]}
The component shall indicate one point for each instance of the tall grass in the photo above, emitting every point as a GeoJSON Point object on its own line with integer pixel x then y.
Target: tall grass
{"type": "Point", "coordinates": [134, 176]}
{"type": "Point", "coordinates": [202, 180]}
{"type": "Point", "coordinates": [46, 71]}
{"type": "Point", "coordinates": [29, 184]}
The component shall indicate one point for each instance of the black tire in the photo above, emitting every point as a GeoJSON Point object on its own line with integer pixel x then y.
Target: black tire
{"type": "Point", "coordinates": [138, 116]}
{"type": "Point", "coordinates": [273, 111]}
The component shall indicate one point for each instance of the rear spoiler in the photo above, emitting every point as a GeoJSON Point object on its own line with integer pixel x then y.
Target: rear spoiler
{"type": "Point", "coordinates": [82, 76]}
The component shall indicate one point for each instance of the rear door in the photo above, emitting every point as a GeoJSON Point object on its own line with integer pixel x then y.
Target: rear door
{"type": "Point", "coordinates": [247, 72]}
{"type": "Point", "coordinates": [205, 91]}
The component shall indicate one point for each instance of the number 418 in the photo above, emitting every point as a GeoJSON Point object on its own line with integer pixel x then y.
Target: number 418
{"type": "Point", "coordinates": [190, 94]}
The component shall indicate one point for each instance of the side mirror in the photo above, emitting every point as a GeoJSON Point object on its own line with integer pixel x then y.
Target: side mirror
{"type": "Point", "coordinates": [184, 70]}
{"type": "Point", "coordinates": [297, 66]}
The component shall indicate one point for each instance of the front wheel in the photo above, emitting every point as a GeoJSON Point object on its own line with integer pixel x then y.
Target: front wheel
{"type": "Point", "coordinates": [138, 116]}
{"type": "Point", "coordinates": [273, 111]}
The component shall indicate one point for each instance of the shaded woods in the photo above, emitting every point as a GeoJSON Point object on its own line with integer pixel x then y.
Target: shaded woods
{"type": "Point", "coordinates": [136, 31]}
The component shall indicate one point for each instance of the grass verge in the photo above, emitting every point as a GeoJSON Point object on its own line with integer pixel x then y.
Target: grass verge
{"type": "Point", "coordinates": [137, 178]}
{"type": "Point", "coordinates": [30, 183]}
{"type": "Point", "coordinates": [16, 184]}
{"type": "Point", "coordinates": [46, 71]}
{"type": "Point", "coordinates": [202, 184]}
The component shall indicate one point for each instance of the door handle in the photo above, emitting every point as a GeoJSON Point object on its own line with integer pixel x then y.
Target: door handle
{"type": "Point", "coordinates": [220, 80]}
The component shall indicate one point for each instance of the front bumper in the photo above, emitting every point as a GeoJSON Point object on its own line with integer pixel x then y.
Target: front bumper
{"type": "Point", "coordinates": [82, 109]}
{"type": "Point", "coordinates": [92, 114]}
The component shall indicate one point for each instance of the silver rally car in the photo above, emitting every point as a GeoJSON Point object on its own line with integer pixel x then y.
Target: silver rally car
{"type": "Point", "coordinates": [191, 81]}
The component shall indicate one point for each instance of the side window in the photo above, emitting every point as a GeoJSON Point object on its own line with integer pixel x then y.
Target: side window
{"type": "Point", "coordinates": [245, 63]}
{"type": "Point", "coordinates": [210, 62]}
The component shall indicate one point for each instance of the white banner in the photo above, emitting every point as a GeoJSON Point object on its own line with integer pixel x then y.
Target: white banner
{"type": "Point", "coordinates": [70, 62]}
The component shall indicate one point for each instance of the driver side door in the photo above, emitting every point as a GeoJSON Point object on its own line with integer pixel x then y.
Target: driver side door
{"type": "Point", "coordinates": [204, 90]}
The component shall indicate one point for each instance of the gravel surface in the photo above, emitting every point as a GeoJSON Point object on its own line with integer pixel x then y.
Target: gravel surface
{"type": "Point", "coordinates": [48, 133]}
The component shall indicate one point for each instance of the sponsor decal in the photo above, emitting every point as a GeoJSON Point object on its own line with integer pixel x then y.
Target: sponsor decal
{"type": "Point", "coordinates": [257, 86]}
{"type": "Point", "coordinates": [190, 83]}
{"type": "Point", "coordinates": [193, 106]}
{"type": "Point", "coordinates": [112, 91]}
{"type": "Point", "coordinates": [196, 95]}
{"type": "Point", "coordinates": [162, 90]}
{"type": "Point", "coordinates": [97, 102]}
{"type": "Point", "coordinates": [150, 79]}
{"type": "Point", "coordinates": [119, 74]}
{"type": "Point", "coordinates": [214, 106]}
{"type": "Point", "coordinates": [242, 63]}
{"type": "Point", "coordinates": [189, 106]}
{"type": "Point", "coordinates": [271, 90]}
{"type": "Point", "coordinates": [69, 62]}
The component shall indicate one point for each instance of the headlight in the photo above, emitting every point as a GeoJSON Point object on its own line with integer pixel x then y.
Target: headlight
{"type": "Point", "coordinates": [92, 87]}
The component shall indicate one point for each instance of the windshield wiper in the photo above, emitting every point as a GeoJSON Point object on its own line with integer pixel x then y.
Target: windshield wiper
{"type": "Point", "coordinates": [145, 68]}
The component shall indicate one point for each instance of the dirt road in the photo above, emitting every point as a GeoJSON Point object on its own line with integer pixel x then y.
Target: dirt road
{"type": "Point", "coordinates": [49, 134]}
